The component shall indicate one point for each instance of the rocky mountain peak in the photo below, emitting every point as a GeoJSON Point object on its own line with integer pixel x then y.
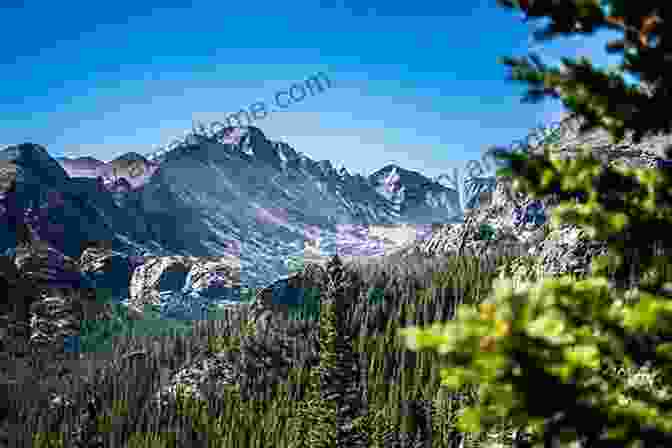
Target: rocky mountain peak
{"type": "Point", "coordinates": [198, 197]}
{"type": "Point", "coordinates": [34, 162]}
{"type": "Point", "coordinates": [343, 171]}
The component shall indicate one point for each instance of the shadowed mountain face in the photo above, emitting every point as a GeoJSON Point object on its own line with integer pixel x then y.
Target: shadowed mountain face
{"type": "Point", "coordinates": [249, 197]}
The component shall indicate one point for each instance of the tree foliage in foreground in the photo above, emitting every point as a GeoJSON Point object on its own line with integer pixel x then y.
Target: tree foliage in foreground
{"type": "Point", "coordinates": [547, 354]}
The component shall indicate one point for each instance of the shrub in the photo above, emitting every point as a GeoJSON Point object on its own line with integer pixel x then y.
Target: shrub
{"type": "Point", "coordinates": [550, 355]}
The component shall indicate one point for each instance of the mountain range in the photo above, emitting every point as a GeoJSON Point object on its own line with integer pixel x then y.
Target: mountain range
{"type": "Point", "coordinates": [237, 193]}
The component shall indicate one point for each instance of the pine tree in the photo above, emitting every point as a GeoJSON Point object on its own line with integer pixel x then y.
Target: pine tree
{"type": "Point", "coordinates": [342, 381]}
{"type": "Point", "coordinates": [547, 355]}
{"type": "Point", "coordinates": [335, 397]}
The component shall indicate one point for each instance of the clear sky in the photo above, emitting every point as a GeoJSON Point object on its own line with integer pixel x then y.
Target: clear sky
{"type": "Point", "coordinates": [412, 83]}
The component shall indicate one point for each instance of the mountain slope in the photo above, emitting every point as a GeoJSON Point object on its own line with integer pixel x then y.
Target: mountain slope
{"type": "Point", "coordinates": [267, 196]}
{"type": "Point", "coordinates": [235, 193]}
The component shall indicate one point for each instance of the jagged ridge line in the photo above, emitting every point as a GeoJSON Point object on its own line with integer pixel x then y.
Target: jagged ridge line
{"type": "Point", "coordinates": [199, 130]}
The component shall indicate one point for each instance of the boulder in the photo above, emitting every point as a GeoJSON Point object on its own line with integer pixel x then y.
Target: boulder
{"type": "Point", "coordinates": [157, 274]}
{"type": "Point", "coordinates": [108, 269]}
{"type": "Point", "coordinates": [205, 374]}
{"type": "Point", "coordinates": [215, 278]}
{"type": "Point", "coordinates": [204, 377]}
{"type": "Point", "coordinates": [183, 287]}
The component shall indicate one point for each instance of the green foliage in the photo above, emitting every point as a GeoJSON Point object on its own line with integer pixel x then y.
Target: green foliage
{"type": "Point", "coordinates": [535, 349]}
{"type": "Point", "coordinates": [282, 422]}
{"type": "Point", "coordinates": [317, 415]}
{"type": "Point", "coordinates": [309, 309]}
{"type": "Point", "coordinates": [243, 423]}
{"type": "Point", "coordinates": [152, 440]}
{"type": "Point", "coordinates": [374, 423]}
{"type": "Point", "coordinates": [314, 421]}
{"type": "Point", "coordinates": [48, 440]}
{"type": "Point", "coordinates": [602, 96]}
{"type": "Point", "coordinates": [229, 343]}
{"type": "Point", "coordinates": [520, 270]}
{"type": "Point", "coordinates": [106, 423]}
{"type": "Point", "coordinates": [218, 344]}
{"type": "Point", "coordinates": [549, 354]}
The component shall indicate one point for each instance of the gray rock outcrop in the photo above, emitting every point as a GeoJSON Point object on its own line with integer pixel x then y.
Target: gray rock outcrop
{"type": "Point", "coordinates": [160, 280]}
{"type": "Point", "coordinates": [214, 277]}
{"type": "Point", "coordinates": [155, 275]}
{"type": "Point", "coordinates": [204, 377]}
{"type": "Point", "coordinates": [565, 250]}
{"type": "Point", "coordinates": [108, 269]}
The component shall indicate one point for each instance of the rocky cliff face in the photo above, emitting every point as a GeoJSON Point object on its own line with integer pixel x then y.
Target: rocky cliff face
{"type": "Point", "coordinates": [515, 221]}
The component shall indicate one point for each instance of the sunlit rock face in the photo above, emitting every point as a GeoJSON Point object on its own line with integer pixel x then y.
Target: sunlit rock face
{"type": "Point", "coordinates": [522, 223]}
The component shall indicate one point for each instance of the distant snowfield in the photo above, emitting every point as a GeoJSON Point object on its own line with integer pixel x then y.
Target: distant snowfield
{"type": "Point", "coordinates": [393, 237]}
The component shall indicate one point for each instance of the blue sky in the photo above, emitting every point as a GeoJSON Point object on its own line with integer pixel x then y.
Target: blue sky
{"type": "Point", "coordinates": [413, 84]}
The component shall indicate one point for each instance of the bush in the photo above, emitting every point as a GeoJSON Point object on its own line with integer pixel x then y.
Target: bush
{"type": "Point", "coordinates": [551, 355]}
